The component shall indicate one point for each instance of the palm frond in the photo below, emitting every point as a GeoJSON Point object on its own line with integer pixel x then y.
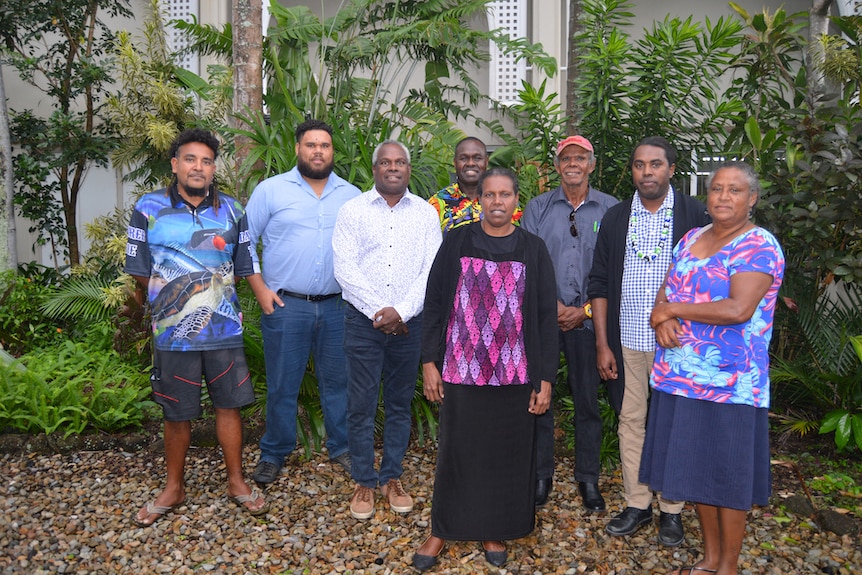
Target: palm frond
{"type": "Point", "coordinates": [80, 297]}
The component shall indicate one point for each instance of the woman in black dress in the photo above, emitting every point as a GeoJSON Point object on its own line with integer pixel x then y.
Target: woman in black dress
{"type": "Point", "coordinates": [489, 306]}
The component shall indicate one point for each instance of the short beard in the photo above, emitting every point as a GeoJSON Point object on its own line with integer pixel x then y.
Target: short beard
{"type": "Point", "coordinates": [306, 170]}
{"type": "Point", "coordinates": [196, 192]}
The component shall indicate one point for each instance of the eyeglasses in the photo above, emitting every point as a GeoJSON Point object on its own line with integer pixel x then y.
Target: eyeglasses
{"type": "Point", "coordinates": [573, 229]}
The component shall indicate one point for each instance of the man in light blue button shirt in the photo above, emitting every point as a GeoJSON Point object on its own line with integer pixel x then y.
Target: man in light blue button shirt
{"type": "Point", "coordinates": [294, 215]}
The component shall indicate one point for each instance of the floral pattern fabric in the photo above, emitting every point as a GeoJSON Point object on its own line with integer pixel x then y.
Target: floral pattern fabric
{"type": "Point", "coordinates": [721, 363]}
{"type": "Point", "coordinates": [455, 209]}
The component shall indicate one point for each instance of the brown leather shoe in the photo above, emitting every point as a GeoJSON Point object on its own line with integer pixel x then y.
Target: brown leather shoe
{"type": "Point", "coordinates": [399, 500]}
{"type": "Point", "coordinates": [362, 502]}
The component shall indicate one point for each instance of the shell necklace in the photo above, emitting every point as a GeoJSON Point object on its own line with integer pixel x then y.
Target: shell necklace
{"type": "Point", "coordinates": [664, 234]}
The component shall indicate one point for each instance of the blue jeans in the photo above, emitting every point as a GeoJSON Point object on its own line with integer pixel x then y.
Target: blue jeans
{"type": "Point", "coordinates": [372, 355]}
{"type": "Point", "coordinates": [290, 334]}
{"type": "Point", "coordinates": [579, 348]}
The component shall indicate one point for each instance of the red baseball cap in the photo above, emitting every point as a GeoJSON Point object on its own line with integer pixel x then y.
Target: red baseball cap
{"type": "Point", "coordinates": [577, 141]}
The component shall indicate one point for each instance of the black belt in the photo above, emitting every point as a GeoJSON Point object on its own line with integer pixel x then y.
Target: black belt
{"type": "Point", "coordinates": [283, 292]}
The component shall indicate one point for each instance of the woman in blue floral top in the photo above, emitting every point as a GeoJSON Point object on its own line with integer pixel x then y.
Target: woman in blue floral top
{"type": "Point", "coordinates": [707, 432]}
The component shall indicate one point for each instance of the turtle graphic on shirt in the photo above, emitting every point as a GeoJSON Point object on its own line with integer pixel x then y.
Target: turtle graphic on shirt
{"type": "Point", "coordinates": [189, 302]}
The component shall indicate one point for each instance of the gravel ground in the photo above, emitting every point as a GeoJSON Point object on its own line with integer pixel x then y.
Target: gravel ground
{"type": "Point", "coordinates": [71, 514]}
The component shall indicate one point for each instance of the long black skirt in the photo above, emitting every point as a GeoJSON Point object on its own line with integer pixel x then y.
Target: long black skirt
{"type": "Point", "coordinates": [485, 484]}
{"type": "Point", "coordinates": [707, 452]}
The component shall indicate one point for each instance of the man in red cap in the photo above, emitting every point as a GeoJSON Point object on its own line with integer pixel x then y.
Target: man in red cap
{"type": "Point", "coordinates": [568, 219]}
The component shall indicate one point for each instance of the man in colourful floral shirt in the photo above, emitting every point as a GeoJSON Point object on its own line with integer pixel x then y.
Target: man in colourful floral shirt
{"type": "Point", "coordinates": [458, 203]}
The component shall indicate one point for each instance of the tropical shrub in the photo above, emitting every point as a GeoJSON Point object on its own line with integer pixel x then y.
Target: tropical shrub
{"type": "Point", "coordinates": [23, 326]}
{"type": "Point", "coordinates": [539, 124]}
{"type": "Point", "coordinates": [808, 151]}
{"type": "Point", "coordinates": [62, 49]}
{"type": "Point", "coordinates": [846, 422]}
{"type": "Point", "coordinates": [663, 84]}
{"type": "Point", "coordinates": [75, 388]}
{"type": "Point", "coordinates": [152, 106]}
{"type": "Point", "coordinates": [817, 371]}
{"type": "Point", "coordinates": [354, 70]}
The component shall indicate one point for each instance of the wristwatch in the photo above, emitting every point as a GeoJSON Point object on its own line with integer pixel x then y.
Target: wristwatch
{"type": "Point", "coordinates": [588, 310]}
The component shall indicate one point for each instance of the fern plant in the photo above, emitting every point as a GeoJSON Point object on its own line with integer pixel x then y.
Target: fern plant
{"type": "Point", "coordinates": [817, 381]}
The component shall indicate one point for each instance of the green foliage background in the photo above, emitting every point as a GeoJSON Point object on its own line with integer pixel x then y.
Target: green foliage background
{"type": "Point", "coordinates": [352, 71]}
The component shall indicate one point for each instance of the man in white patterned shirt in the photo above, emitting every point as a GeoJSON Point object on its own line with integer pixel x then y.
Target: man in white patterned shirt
{"type": "Point", "coordinates": [633, 253]}
{"type": "Point", "coordinates": [384, 244]}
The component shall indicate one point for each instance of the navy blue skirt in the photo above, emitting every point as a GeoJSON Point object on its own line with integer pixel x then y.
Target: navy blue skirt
{"type": "Point", "coordinates": [707, 452]}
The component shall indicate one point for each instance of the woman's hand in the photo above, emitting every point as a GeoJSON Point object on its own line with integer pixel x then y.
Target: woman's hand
{"type": "Point", "coordinates": [667, 333]}
{"type": "Point", "coordinates": [661, 312]}
{"type": "Point", "coordinates": [540, 402]}
{"type": "Point", "coordinates": [432, 383]}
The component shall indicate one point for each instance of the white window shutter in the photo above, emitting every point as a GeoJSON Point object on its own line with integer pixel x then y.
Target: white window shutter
{"type": "Point", "coordinates": [505, 74]}
{"type": "Point", "coordinates": [187, 10]}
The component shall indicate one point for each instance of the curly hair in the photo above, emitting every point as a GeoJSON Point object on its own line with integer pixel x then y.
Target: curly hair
{"type": "Point", "coordinates": [199, 135]}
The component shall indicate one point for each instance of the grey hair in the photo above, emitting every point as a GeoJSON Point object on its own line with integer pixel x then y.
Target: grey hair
{"type": "Point", "coordinates": [385, 142]}
{"type": "Point", "coordinates": [749, 173]}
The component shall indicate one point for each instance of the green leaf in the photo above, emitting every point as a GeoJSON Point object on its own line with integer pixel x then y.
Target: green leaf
{"type": "Point", "coordinates": [856, 342]}
{"type": "Point", "coordinates": [842, 431]}
{"type": "Point", "coordinates": [856, 426]}
{"type": "Point", "coordinates": [831, 420]}
{"type": "Point", "coordinates": [752, 132]}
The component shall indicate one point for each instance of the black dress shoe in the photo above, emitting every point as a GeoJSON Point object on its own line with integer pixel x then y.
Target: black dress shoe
{"type": "Point", "coordinates": [670, 532]}
{"type": "Point", "coordinates": [543, 489]}
{"type": "Point", "coordinates": [591, 496]}
{"type": "Point", "coordinates": [630, 520]}
{"type": "Point", "coordinates": [496, 558]}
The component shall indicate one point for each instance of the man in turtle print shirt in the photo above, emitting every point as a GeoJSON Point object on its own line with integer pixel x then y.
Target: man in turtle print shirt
{"type": "Point", "coordinates": [186, 244]}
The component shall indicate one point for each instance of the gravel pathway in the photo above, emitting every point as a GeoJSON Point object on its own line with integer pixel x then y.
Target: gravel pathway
{"type": "Point", "coordinates": [71, 514]}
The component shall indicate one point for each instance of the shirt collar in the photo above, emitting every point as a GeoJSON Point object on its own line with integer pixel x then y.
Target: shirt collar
{"type": "Point", "coordinates": [561, 196]}
{"type": "Point", "coordinates": [668, 202]}
{"type": "Point", "coordinates": [176, 198]}
{"type": "Point", "coordinates": [375, 196]}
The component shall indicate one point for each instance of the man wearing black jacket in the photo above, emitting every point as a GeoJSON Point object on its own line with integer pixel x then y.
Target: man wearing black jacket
{"type": "Point", "coordinates": [633, 253]}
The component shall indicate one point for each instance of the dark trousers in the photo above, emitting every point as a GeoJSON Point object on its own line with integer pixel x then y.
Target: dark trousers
{"type": "Point", "coordinates": [579, 349]}
{"type": "Point", "coordinates": [374, 359]}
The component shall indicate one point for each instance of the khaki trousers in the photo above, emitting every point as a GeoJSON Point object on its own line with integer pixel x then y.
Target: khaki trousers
{"type": "Point", "coordinates": [632, 428]}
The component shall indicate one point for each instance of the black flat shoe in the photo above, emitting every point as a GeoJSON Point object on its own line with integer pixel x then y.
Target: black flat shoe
{"type": "Point", "coordinates": [496, 558]}
{"type": "Point", "coordinates": [426, 562]}
{"type": "Point", "coordinates": [266, 472]}
{"type": "Point", "coordinates": [591, 496]}
{"type": "Point", "coordinates": [543, 489]}
{"type": "Point", "coordinates": [630, 520]}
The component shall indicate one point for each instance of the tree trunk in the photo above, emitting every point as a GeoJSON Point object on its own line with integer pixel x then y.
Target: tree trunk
{"type": "Point", "coordinates": [9, 250]}
{"type": "Point", "coordinates": [818, 25]}
{"type": "Point", "coordinates": [572, 112]}
{"type": "Point", "coordinates": [248, 78]}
